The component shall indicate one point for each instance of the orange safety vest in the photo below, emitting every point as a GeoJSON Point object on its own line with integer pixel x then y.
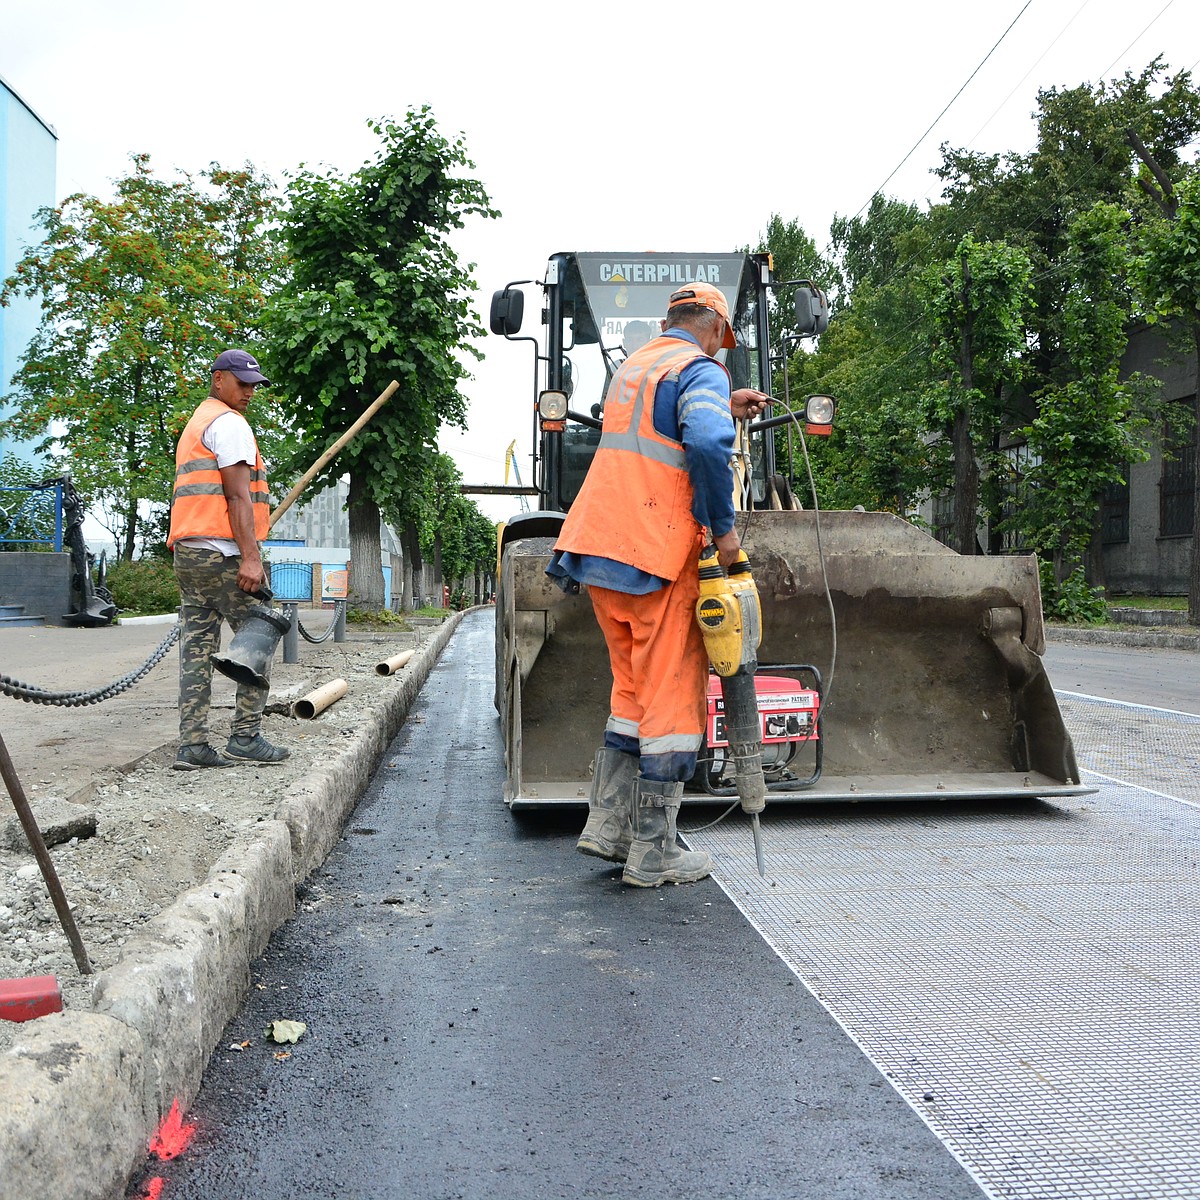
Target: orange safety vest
{"type": "Point", "coordinates": [199, 508]}
{"type": "Point", "coordinates": [635, 505]}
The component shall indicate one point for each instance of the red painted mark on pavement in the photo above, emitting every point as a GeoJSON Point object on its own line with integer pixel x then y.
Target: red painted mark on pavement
{"type": "Point", "coordinates": [173, 1136]}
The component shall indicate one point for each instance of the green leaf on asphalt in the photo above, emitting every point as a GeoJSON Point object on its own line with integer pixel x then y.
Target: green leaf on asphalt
{"type": "Point", "coordinates": [285, 1031]}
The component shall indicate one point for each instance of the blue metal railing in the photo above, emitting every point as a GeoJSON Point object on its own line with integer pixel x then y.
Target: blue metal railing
{"type": "Point", "coordinates": [38, 511]}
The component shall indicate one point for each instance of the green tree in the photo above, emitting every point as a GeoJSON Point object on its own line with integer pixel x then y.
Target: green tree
{"type": "Point", "coordinates": [468, 552]}
{"type": "Point", "coordinates": [921, 380]}
{"type": "Point", "coordinates": [877, 248]}
{"type": "Point", "coordinates": [874, 360]}
{"type": "Point", "coordinates": [975, 308]}
{"type": "Point", "coordinates": [431, 506]}
{"type": "Point", "coordinates": [1168, 271]}
{"type": "Point", "coordinates": [376, 292]}
{"type": "Point", "coordinates": [138, 297]}
{"type": "Point", "coordinates": [1084, 155]}
{"type": "Point", "coordinates": [452, 531]}
{"type": "Point", "coordinates": [1090, 422]}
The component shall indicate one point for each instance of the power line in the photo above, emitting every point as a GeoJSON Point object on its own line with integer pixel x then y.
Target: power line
{"type": "Point", "coordinates": [1153, 22]}
{"type": "Point", "coordinates": [1051, 271]}
{"type": "Point", "coordinates": [1079, 175]}
{"type": "Point", "coordinates": [474, 454]}
{"type": "Point", "coordinates": [1027, 74]}
{"type": "Point", "coordinates": [945, 110]}
{"type": "Point", "coordinates": [828, 251]}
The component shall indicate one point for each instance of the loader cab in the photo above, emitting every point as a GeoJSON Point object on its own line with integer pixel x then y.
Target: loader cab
{"type": "Point", "coordinates": [600, 307]}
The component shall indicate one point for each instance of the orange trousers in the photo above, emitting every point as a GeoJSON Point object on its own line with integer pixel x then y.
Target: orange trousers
{"type": "Point", "coordinates": [659, 666]}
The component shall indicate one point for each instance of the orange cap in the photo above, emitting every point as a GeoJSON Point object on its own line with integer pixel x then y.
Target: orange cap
{"type": "Point", "coordinates": [709, 297]}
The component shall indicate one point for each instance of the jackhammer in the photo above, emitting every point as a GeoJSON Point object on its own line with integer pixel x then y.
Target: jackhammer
{"type": "Point", "coordinates": [731, 621]}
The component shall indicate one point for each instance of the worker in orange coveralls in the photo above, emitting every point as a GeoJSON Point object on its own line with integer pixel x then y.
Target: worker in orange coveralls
{"type": "Point", "coordinates": [661, 484]}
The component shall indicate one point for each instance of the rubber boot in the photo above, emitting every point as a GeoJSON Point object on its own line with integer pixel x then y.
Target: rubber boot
{"type": "Point", "coordinates": [609, 829]}
{"type": "Point", "coordinates": [656, 856]}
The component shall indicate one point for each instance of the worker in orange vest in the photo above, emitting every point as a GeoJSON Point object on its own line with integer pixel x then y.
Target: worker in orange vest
{"type": "Point", "coordinates": [220, 513]}
{"type": "Point", "coordinates": [660, 485]}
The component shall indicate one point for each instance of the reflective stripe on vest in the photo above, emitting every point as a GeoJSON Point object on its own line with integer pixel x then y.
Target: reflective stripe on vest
{"type": "Point", "coordinates": [639, 381]}
{"type": "Point", "coordinates": [198, 506]}
{"type": "Point", "coordinates": [635, 505]}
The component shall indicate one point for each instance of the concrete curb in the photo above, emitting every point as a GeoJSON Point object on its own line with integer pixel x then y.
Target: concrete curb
{"type": "Point", "coordinates": [85, 1091]}
{"type": "Point", "coordinates": [1083, 635]}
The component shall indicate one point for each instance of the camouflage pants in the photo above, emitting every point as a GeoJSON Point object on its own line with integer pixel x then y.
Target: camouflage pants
{"type": "Point", "coordinates": [209, 593]}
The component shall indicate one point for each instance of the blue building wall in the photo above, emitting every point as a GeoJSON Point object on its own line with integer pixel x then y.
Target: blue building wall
{"type": "Point", "coordinates": [27, 165]}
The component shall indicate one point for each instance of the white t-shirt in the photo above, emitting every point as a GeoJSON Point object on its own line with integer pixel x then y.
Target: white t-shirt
{"type": "Point", "coordinates": [230, 439]}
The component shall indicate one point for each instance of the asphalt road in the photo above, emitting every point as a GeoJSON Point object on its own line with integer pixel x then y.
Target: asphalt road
{"type": "Point", "coordinates": [493, 1015]}
{"type": "Point", "coordinates": [1160, 678]}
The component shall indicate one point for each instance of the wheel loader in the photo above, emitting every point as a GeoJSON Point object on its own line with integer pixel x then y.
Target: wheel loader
{"type": "Point", "coordinates": [890, 666]}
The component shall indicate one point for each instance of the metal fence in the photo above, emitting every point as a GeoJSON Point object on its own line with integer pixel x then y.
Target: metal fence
{"type": "Point", "coordinates": [32, 516]}
{"type": "Point", "coordinates": [292, 581]}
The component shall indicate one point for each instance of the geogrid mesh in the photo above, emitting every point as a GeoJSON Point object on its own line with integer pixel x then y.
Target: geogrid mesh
{"type": "Point", "coordinates": [1026, 975]}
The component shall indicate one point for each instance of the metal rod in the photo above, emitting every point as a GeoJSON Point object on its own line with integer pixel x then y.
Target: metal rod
{"type": "Point", "coordinates": [758, 846]}
{"type": "Point", "coordinates": [496, 489]}
{"type": "Point", "coordinates": [784, 418]}
{"type": "Point", "coordinates": [307, 477]}
{"type": "Point", "coordinates": [34, 834]}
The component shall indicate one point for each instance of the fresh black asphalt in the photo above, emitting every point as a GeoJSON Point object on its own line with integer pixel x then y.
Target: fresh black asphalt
{"type": "Point", "coordinates": [492, 1015]}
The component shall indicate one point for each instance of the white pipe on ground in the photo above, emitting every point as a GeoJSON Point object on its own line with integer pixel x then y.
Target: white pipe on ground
{"type": "Point", "coordinates": [390, 666]}
{"type": "Point", "coordinates": [319, 699]}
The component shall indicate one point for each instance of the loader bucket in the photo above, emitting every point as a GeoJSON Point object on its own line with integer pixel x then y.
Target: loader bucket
{"type": "Point", "coordinates": [934, 683]}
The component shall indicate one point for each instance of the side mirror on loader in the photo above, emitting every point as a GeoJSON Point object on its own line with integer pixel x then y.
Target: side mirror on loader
{"type": "Point", "coordinates": [508, 307]}
{"type": "Point", "coordinates": [812, 309]}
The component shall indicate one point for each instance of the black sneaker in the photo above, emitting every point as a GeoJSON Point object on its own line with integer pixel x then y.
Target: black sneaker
{"type": "Point", "coordinates": [198, 756]}
{"type": "Point", "coordinates": [255, 749]}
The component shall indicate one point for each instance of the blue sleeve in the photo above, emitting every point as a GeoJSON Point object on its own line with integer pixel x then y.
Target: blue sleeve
{"type": "Point", "coordinates": [566, 569]}
{"type": "Point", "coordinates": [695, 411]}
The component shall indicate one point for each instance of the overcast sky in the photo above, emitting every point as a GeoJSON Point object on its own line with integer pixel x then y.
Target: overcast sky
{"type": "Point", "coordinates": [631, 126]}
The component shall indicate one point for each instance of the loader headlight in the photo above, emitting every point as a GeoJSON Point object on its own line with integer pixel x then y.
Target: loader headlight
{"type": "Point", "coordinates": [552, 406]}
{"type": "Point", "coordinates": [819, 410]}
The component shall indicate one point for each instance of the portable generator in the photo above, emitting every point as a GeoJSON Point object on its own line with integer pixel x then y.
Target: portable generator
{"type": "Point", "coordinates": [790, 716]}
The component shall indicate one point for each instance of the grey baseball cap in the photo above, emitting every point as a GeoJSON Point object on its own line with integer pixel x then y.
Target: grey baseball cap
{"type": "Point", "coordinates": [241, 364]}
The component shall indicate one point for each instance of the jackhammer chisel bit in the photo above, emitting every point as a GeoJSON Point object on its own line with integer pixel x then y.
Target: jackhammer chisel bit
{"type": "Point", "coordinates": [741, 716]}
{"type": "Point", "coordinates": [756, 829]}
